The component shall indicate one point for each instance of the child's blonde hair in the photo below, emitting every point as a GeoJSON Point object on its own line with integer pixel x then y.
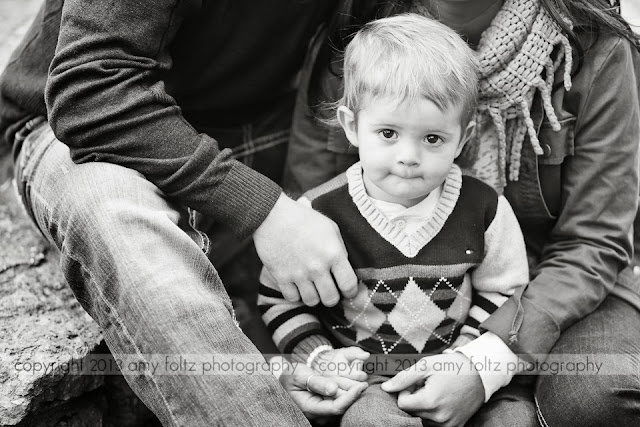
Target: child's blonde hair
{"type": "Point", "coordinates": [408, 56]}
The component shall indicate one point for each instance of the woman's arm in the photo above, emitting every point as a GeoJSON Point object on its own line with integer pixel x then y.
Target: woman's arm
{"type": "Point", "coordinates": [591, 240]}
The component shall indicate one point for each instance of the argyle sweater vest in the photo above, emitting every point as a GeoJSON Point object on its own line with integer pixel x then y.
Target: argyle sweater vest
{"type": "Point", "coordinates": [415, 293]}
{"type": "Point", "coordinates": [407, 305]}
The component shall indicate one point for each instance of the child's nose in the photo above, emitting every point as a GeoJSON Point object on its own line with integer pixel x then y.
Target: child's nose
{"type": "Point", "coordinates": [408, 154]}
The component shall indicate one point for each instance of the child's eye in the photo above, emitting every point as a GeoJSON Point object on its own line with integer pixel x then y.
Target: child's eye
{"type": "Point", "coordinates": [432, 139]}
{"type": "Point", "coordinates": [388, 133]}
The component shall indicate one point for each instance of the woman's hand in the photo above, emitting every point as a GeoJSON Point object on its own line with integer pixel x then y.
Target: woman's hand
{"type": "Point", "coordinates": [446, 397]}
{"type": "Point", "coordinates": [318, 396]}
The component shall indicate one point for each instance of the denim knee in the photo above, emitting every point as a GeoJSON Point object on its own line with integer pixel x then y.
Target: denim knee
{"type": "Point", "coordinates": [512, 405]}
{"type": "Point", "coordinates": [376, 407]}
{"type": "Point", "coordinates": [371, 416]}
{"type": "Point", "coordinates": [610, 395]}
{"type": "Point", "coordinates": [588, 400]}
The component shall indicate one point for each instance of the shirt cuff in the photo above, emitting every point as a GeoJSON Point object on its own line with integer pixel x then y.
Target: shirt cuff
{"type": "Point", "coordinates": [244, 199]}
{"type": "Point", "coordinates": [303, 350]}
{"type": "Point", "coordinates": [493, 360]}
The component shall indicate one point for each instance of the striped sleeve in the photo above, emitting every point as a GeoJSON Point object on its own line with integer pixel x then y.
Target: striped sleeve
{"type": "Point", "coordinates": [293, 326]}
{"type": "Point", "coordinates": [503, 269]}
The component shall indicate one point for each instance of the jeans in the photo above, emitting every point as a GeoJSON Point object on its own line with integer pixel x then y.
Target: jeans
{"type": "Point", "coordinates": [511, 406]}
{"type": "Point", "coordinates": [139, 267]}
{"type": "Point", "coordinates": [376, 407]}
{"type": "Point", "coordinates": [612, 335]}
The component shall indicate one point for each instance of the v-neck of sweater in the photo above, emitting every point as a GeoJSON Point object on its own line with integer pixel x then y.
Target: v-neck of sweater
{"type": "Point", "coordinates": [373, 211]}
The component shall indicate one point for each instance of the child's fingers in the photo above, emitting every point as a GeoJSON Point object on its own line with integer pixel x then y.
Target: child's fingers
{"type": "Point", "coordinates": [354, 374]}
{"type": "Point", "coordinates": [346, 383]}
{"type": "Point", "coordinates": [357, 370]}
{"type": "Point", "coordinates": [354, 353]}
{"type": "Point", "coordinates": [342, 367]}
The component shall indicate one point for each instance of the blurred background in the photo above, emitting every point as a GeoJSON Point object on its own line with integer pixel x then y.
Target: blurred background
{"type": "Point", "coordinates": [630, 9]}
{"type": "Point", "coordinates": [15, 17]}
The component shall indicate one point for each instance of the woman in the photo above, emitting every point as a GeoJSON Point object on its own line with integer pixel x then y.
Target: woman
{"type": "Point", "coordinates": [558, 131]}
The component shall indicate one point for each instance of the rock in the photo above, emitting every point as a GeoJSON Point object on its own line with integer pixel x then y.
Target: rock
{"type": "Point", "coordinates": [43, 330]}
{"type": "Point", "coordinates": [85, 411]}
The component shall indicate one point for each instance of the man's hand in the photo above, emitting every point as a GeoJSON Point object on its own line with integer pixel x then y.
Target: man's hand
{"type": "Point", "coordinates": [444, 398]}
{"type": "Point", "coordinates": [325, 396]}
{"type": "Point", "coordinates": [304, 252]}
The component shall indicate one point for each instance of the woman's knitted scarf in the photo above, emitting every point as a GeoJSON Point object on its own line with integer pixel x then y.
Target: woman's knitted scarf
{"type": "Point", "coordinates": [515, 54]}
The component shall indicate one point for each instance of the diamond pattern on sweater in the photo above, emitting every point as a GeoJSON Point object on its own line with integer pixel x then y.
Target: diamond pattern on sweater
{"type": "Point", "coordinates": [418, 315]}
{"type": "Point", "coordinates": [415, 316]}
{"type": "Point", "coordinates": [362, 315]}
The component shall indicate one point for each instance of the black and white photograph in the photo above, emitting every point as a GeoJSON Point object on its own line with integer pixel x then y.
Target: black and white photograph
{"type": "Point", "coordinates": [321, 213]}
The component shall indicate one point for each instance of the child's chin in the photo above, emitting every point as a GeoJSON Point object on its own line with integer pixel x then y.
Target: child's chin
{"type": "Point", "coordinates": [409, 198]}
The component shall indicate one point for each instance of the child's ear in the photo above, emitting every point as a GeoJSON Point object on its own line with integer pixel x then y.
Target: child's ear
{"type": "Point", "coordinates": [466, 135]}
{"type": "Point", "coordinates": [347, 120]}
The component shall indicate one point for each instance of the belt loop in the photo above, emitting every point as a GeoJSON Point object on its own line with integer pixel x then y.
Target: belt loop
{"type": "Point", "coordinates": [28, 127]}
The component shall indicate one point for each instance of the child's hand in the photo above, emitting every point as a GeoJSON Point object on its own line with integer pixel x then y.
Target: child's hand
{"type": "Point", "coordinates": [345, 362]}
{"type": "Point", "coordinates": [438, 394]}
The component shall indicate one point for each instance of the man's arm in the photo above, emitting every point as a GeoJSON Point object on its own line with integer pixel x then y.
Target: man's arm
{"type": "Point", "coordinates": [106, 100]}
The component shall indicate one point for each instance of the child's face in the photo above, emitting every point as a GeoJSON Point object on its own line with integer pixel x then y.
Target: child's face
{"type": "Point", "coordinates": [406, 150]}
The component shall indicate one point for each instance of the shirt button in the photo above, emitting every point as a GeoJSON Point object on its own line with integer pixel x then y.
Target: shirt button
{"type": "Point", "coordinates": [546, 149]}
{"type": "Point", "coordinates": [401, 223]}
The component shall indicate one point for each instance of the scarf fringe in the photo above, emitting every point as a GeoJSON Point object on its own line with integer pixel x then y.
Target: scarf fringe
{"type": "Point", "coordinates": [516, 55]}
{"type": "Point", "coordinates": [510, 111]}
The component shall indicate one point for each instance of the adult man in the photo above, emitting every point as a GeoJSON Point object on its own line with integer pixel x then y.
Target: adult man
{"type": "Point", "coordinates": [136, 92]}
